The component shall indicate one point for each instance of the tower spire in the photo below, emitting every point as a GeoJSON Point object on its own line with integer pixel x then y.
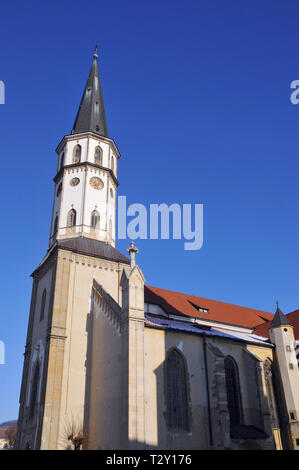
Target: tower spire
{"type": "Point", "coordinates": [279, 318]}
{"type": "Point", "coordinates": [91, 114]}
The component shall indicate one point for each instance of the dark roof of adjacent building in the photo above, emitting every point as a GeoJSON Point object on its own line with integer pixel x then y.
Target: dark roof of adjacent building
{"type": "Point", "coordinates": [91, 247]}
{"type": "Point", "coordinates": [184, 304]}
{"type": "Point", "coordinates": [8, 424]}
{"type": "Point", "coordinates": [91, 114]}
{"type": "Point", "coordinates": [293, 319]}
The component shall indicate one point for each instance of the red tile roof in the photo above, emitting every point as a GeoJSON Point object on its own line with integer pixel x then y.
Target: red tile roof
{"type": "Point", "coordinates": [3, 433]}
{"type": "Point", "coordinates": [293, 317]}
{"type": "Point", "coordinates": [183, 304]}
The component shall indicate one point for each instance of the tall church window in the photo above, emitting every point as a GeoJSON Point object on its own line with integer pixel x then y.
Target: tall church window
{"type": "Point", "coordinates": [43, 305]}
{"type": "Point", "coordinates": [71, 218]}
{"type": "Point", "coordinates": [95, 219]}
{"type": "Point", "coordinates": [233, 390]}
{"type": "Point", "coordinates": [98, 156]}
{"type": "Point", "coordinates": [112, 164]}
{"type": "Point", "coordinates": [77, 154]}
{"type": "Point", "coordinates": [176, 392]}
{"type": "Point", "coordinates": [34, 390]}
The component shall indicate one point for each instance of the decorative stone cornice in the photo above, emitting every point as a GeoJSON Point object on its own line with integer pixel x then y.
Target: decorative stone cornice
{"type": "Point", "coordinates": [85, 165]}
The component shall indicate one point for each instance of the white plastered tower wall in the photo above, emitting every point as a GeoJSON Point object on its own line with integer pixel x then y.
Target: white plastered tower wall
{"type": "Point", "coordinates": [283, 338]}
{"type": "Point", "coordinates": [75, 188]}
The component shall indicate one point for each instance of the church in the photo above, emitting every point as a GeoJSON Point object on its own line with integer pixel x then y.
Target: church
{"type": "Point", "coordinates": [134, 366]}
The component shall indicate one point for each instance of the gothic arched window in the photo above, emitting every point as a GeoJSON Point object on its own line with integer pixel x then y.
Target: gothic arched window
{"type": "Point", "coordinates": [55, 225]}
{"type": "Point", "coordinates": [62, 161]}
{"type": "Point", "coordinates": [43, 305]}
{"type": "Point", "coordinates": [59, 189]}
{"type": "Point", "coordinates": [233, 390]}
{"type": "Point", "coordinates": [176, 392]}
{"type": "Point", "coordinates": [95, 219]}
{"type": "Point", "coordinates": [112, 164]}
{"type": "Point", "coordinates": [34, 389]}
{"type": "Point", "coordinates": [77, 154]}
{"type": "Point", "coordinates": [71, 218]}
{"type": "Point", "coordinates": [98, 156]}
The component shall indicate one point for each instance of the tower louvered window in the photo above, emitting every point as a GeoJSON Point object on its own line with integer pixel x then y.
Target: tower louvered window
{"type": "Point", "coordinates": [71, 218]}
{"type": "Point", "coordinates": [95, 219]}
{"type": "Point", "coordinates": [77, 154]}
{"type": "Point", "coordinates": [98, 156]}
{"type": "Point", "coordinates": [62, 161]}
{"type": "Point", "coordinates": [176, 390]}
{"type": "Point", "coordinates": [55, 225]}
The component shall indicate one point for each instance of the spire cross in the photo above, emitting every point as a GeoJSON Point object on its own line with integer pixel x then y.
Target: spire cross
{"type": "Point", "coordinates": [95, 54]}
{"type": "Point", "coordinates": [132, 250]}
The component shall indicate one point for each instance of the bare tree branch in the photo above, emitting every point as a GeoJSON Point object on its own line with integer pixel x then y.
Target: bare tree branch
{"type": "Point", "coordinates": [10, 435]}
{"type": "Point", "coordinates": [74, 433]}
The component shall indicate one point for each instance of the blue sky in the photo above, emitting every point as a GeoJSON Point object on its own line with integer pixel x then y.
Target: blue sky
{"type": "Point", "coordinates": [197, 98]}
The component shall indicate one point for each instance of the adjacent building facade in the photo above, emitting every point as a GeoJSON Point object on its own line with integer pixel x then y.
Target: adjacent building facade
{"type": "Point", "coordinates": [133, 366]}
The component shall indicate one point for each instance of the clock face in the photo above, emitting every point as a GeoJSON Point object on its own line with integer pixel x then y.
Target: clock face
{"type": "Point", "coordinates": [74, 181]}
{"type": "Point", "coordinates": [96, 183]}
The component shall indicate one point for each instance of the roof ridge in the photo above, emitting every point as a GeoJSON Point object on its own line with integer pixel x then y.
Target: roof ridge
{"type": "Point", "coordinates": [212, 300]}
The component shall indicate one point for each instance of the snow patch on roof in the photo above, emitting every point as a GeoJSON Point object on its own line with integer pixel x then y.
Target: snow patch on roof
{"type": "Point", "coordinates": [153, 321]}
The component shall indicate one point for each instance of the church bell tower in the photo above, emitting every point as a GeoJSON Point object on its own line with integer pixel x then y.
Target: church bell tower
{"type": "Point", "coordinates": [86, 179]}
{"type": "Point", "coordinates": [81, 252]}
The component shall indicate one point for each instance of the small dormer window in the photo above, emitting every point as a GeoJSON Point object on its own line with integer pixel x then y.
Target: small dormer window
{"type": "Point", "coordinates": [200, 309]}
{"type": "Point", "coordinates": [204, 310]}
